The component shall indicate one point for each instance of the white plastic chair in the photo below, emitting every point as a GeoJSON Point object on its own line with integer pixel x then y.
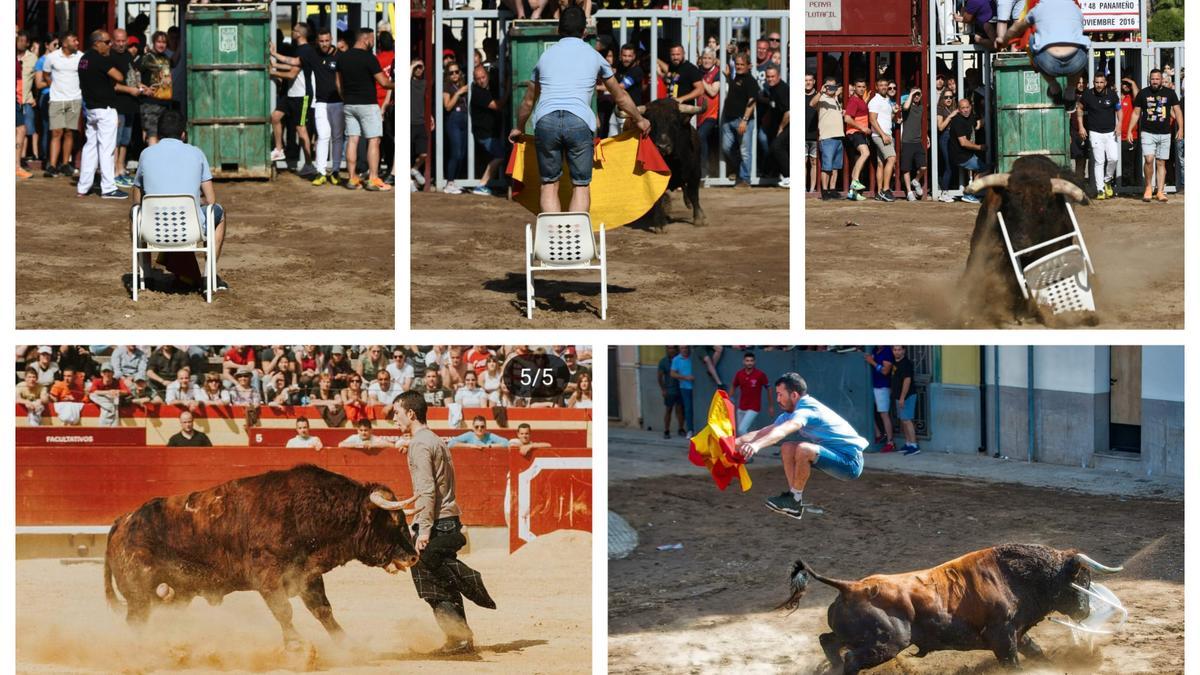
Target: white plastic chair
{"type": "Point", "coordinates": [1103, 608]}
{"type": "Point", "coordinates": [1058, 279]}
{"type": "Point", "coordinates": [564, 241]}
{"type": "Point", "coordinates": [171, 224]}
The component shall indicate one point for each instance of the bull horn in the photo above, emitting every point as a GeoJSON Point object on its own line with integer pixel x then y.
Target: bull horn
{"type": "Point", "coordinates": [1088, 561]}
{"type": "Point", "coordinates": [687, 109]}
{"type": "Point", "coordinates": [993, 180]}
{"type": "Point", "coordinates": [1067, 189]}
{"type": "Point", "coordinates": [386, 504]}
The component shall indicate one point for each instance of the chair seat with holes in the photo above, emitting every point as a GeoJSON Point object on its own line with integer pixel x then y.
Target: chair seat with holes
{"type": "Point", "coordinates": [564, 241]}
{"type": "Point", "coordinates": [173, 223]}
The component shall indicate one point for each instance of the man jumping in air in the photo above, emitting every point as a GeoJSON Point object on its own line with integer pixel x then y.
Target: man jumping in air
{"type": "Point", "coordinates": [829, 443]}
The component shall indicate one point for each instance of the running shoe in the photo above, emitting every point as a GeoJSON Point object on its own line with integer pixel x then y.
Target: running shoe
{"type": "Point", "coordinates": [23, 174]}
{"type": "Point", "coordinates": [1108, 191]}
{"type": "Point", "coordinates": [482, 190]}
{"type": "Point", "coordinates": [912, 196]}
{"type": "Point", "coordinates": [115, 194]}
{"type": "Point", "coordinates": [417, 176]}
{"type": "Point", "coordinates": [879, 196]}
{"type": "Point", "coordinates": [50, 172]}
{"type": "Point", "coordinates": [888, 447]}
{"type": "Point", "coordinates": [353, 183]}
{"type": "Point", "coordinates": [1100, 196]}
{"type": "Point", "coordinates": [785, 182]}
{"type": "Point", "coordinates": [320, 180]}
{"type": "Point", "coordinates": [786, 504]}
{"type": "Point", "coordinates": [277, 155]}
{"type": "Point", "coordinates": [911, 449]}
{"type": "Point", "coordinates": [452, 188]}
{"type": "Point", "coordinates": [335, 179]}
{"type": "Point", "coordinates": [970, 199]}
{"type": "Point", "coordinates": [916, 186]}
{"type": "Point", "coordinates": [946, 197]}
{"type": "Point", "coordinates": [221, 285]}
{"type": "Point", "coordinates": [855, 196]}
{"type": "Point", "coordinates": [857, 186]}
{"type": "Point", "coordinates": [123, 181]}
{"type": "Point", "coordinates": [667, 434]}
{"type": "Point", "coordinates": [68, 170]}
{"type": "Point", "coordinates": [887, 196]}
{"type": "Point", "coordinates": [307, 171]}
{"type": "Point", "coordinates": [376, 185]}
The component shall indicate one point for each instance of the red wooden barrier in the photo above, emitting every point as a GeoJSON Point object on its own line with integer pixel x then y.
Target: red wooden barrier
{"type": "Point", "coordinates": [124, 436]}
{"type": "Point", "coordinates": [549, 490]}
{"type": "Point", "coordinates": [279, 436]}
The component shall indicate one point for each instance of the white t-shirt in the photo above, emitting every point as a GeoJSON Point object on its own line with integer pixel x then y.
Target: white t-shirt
{"type": "Point", "coordinates": [401, 375]}
{"type": "Point", "coordinates": [882, 107]}
{"type": "Point", "coordinates": [384, 397]}
{"type": "Point", "coordinates": [311, 442]}
{"type": "Point", "coordinates": [64, 74]}
{"type": "Point", "coordinates": [471, 399]}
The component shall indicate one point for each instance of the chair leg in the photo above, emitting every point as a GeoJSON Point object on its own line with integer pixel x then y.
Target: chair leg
{"type": "Point", "coordinates": [603, 293]}
{"type": "Point", "coordinates": [528, 272]}
{"type": "Point", "coordinates": [133, 279]}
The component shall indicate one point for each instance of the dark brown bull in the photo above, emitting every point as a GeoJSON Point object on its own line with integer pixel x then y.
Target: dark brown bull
{"type": "Point", "coordinates": [1032, 198]}
{"type": "Point", "coordinates": [986, 599]}
{"type": "Point", "coordinates": [275, 533]}
{"type": "Point", "coordinates": [676, 139]}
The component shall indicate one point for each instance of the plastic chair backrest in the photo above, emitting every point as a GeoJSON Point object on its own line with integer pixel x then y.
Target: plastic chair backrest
{"type": "Point", "coordinates": [170, 221]}
{"type": "Point", "coordinates": [564, 239]}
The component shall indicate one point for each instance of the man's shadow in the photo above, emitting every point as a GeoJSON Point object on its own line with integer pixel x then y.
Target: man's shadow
{"type": "Point", "coordinates": [477, 655]}
{"type": "Point", "coordinates": [161, 281]}
{"type": "Point", "coordinates": [549, 293]}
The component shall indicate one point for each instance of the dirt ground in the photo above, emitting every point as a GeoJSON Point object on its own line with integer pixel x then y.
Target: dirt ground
{"type": "Point", "coordinates": [710, 605]}
{"type": "Point", "coordinates": [64, 625]}
{"type": "Point", "coordinates": [295, 256]}
{"type": "Point", "coordinates": [468, 269]}
{"type": "Point", "coordinates": [899, 267]}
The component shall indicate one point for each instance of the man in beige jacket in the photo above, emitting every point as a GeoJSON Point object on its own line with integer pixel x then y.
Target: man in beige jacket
{"type": "Point", "coordinates": [441, 578]}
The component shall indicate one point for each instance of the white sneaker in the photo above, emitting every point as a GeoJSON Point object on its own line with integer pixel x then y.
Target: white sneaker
{"type": "Point", "coordinates": [452, 189]}
{"type": "Point", "coordinates": [412, 186]}
{"type": "Point", "coordinates": [916, 186]}
{"type": "Point", "coordinates": [911, 196]}
{"type": "Point", "coordinates": [417, 176]}
{"type": "Point", "coordinates": [946, 197]}
{"type": "Point", "coordinates": [277, 155]}
{"type": "Point", "coordinates": [785, 182]}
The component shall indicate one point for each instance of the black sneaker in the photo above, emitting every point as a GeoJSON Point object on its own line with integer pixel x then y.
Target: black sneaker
{"type": "Point", "coordinates": [667, 434]}
{"type": "Point", "coordinates": [50, 172]}
{"type": "Point", "coordinates": [221, 285]}
{"type": "Point", "coordinates": [887, 196]}
{"type": "Point", "coordinates": [115, 194]}
{"type": "Point", "coordinates": [67, 170]}
{"type": "Point", "coordinates": [879, 196]}
{"type": "Point", "coordinates": [786, 504]}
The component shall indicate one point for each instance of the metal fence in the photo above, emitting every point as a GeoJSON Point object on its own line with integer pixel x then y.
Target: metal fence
{"type": "Point", "coordinates": [692, 26]}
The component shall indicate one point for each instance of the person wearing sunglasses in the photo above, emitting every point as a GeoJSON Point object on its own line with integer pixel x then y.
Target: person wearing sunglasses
{"type": "Point", "coordinates": [454, 101]}
{"type": "Point", "coordinates": [98, 81]}
{"type": "Point", "coordinates": [478, 437]}
{"type": "Point", "coordinates": [880, 113]}
{"type": "Point", "coordinates": [946, 112]}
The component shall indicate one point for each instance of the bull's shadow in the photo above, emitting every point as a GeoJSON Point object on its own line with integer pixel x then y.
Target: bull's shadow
{"type": "Point", "coordinates": [481, 650]}
{"type": "Point", "coordinates": [160, 281]}
{"type": "Point", "coordinates": [550, 293]}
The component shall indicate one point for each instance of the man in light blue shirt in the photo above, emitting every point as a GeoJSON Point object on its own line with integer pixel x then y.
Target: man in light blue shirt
{"type": "Point", "coordinates": [478, 437]}
{"type": "Point", "coordinates": [1058, 46]}
{"type": "Point", "coordinates": [829, 443]}
{"type": "Point", "coordinates": [562, 85]}
{"type": "Point", "coordinates": [681, 370]}
{"type": "Point", "coordinates": [172, 167]}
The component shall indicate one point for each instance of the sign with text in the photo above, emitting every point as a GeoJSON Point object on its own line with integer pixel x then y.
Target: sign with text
{"type": "Point", "coordinates": [822, 15]}
{"type": "Point", "coordinates": [1111, 15]}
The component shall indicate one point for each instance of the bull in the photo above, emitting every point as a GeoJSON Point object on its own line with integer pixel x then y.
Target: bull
{"type": "Point", "coordinates": [1032, 198]}
{"type": "Point", "coordinates": [677, 142]}
{"type": "Point", "coordinates": [987, 599]}
{"type": "Point", "coordinates": [276, 533]}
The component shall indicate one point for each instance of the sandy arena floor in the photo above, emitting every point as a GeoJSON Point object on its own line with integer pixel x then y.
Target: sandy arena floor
{"type": "Point", "coordinates": [542, 624]}
{"type": "Point", "coordinates": [468, 269]}
{"type": "Point", "coordinates": [708, 607]}
{"type": "Point", "coordinates": [899, 267]}
{"type": "Point", "coordinates": [295, 256]}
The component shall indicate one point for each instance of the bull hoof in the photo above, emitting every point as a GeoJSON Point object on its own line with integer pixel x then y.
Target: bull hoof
{"type": "Point", "coordinates": [699, 222]}
{"type": "Point", "coordinates": [165, 592]}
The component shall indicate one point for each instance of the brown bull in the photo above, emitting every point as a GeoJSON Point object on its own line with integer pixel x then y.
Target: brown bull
{"type": "Point", "coordinates": [987, 599]}
{"type": "Point", "coordinates": [1032, 198]}
{"type": "Point", "coordinates": [275, 533]}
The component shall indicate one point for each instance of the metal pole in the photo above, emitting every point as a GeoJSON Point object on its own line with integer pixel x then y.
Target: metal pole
{"type": "Point", "coordinates": [755, 33]}
{"type": "Point", "coordinates": [935, 184]}
{"type": "Point", "coordinates": [1030, 393]}
{"type": "Point", "coordinates": [469, 36]}
{"type": "Point", "coordinates": [996, 408]}
{"type": "Point", "coordinates": [438, 108]}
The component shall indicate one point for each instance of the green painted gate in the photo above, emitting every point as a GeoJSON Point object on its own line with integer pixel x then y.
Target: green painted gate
{"type": "Point", "coordinates": [1027, 122]}
{"type": "Point", "coordinates": [528, 40]}
{"type": "Point", "coordinates": [229, 88]}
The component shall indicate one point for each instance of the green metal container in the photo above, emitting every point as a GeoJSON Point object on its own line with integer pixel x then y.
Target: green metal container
{"type": "Point", "coordinates": [229, 88]}
{"type": "Point", "coordinates": [1027, 122]}
{"type": "Point", "coordinates": [528, 40]}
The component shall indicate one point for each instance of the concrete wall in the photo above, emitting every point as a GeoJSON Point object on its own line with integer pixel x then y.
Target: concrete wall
{"type": "Point", "coordinates": [1162, 410]}
{"type": "Point", "coordinates": [954, 418]}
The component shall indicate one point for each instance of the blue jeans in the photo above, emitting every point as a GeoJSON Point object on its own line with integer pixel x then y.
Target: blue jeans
{"type": "Point", "coordinates": [456, 143]}
{"type": "Point", "coordinates": [686, 396]}
{"type": "Point", "coordinates": [558, 133]}
{"type": "Point", "coordinates": [707, 131]}
{"type": "Point", "coordinates": [729, 137]}
{"type": "Point", "coordinates": [1179, 165]}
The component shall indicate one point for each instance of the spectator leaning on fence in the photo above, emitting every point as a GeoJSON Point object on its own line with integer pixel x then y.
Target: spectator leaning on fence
{"type": "Point", "coordinates": [189, 436]}
{"type": "Point", "coordinates": [831, 121]}
{"type": "Point", "coordinates": [487, 126]}
{"type": "Point", "coordinates": [304, 439]}
{"type": "Point", "coordinates": [774, 106]}
{"type": "Point", "coordinates": [561, 86]}
{"type": "Point", "coordinates": [737, 119]}
{"type": "Point", "coordinates": [478, 436]}
{"type": "Point", "coordinates": [707, 124]}
{"type": "Point", "coordinates": [947, 110]}
{"type": "Point", "coordinates": [880, 115]}
{"type": "Point", "coordinates": [964, 151]}
{"type": "Point", "coordinates": [912, 144]}
{"type": "Point", "coordinates": [300, 96]}
{"type": "Point", "coordinates": [857, 118]}
{"type": "Point", "coordinates": [1154, 108]}
{"type": "Point", "coordinates": [155, 69]}
{"type": "Point", "coordinates": [35, 396]}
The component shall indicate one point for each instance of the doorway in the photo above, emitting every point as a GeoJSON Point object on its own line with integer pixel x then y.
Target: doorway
{"type": "Point", "coordinates": [1125, 398]}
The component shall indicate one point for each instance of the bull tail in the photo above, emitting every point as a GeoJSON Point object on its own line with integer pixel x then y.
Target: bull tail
{"type": "Point", "coordinates": [798, 581]}
{"type": "Point", "coordinates": [109, 593]}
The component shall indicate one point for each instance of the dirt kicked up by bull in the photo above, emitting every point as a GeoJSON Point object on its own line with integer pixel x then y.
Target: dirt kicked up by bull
{"type": "Point", "coordinates": [986, 599]}
{"type": "Point", "coordinates": [275, 533]}
{"type": "Point", "coordinates": [1032, 199]}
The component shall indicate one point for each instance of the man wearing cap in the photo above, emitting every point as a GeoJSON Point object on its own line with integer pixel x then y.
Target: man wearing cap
{"type": "Point", "coordinates": [128, 363]}
{"type": "Point", "coordinates": [189, 436]}
{"type": "Point", "coordinates": [45, 366]}
{"type": "Point", "coordinates": [562, 85]}
{"type": "Point", "coordinates": [338, 367]}
{"type": "Point", "coordinates": [142, 394]}
{"type": "Point", "coordinates": [106, 392]}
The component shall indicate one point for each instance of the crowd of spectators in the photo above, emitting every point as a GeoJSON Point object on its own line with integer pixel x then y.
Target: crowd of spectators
{"type": "Point", "coordinates": [745, 100]}
{"type": "Point", "coordinates": [111, 90]}
{"type": "Point", "coordinates": [347, 384]}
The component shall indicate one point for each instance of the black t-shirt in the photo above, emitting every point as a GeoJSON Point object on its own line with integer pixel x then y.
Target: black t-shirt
{"type": "Point", "coordinates": [198, 440]}
{"type": "Point", "coordinates": [914, 121]}
{"type": "Point", "coordinates": [682, 79]}
{"type": "Point", "coordinates": [742, 90]}
{"type": "Point", "coordinates": [416, 101]}
{"type": "Point", "coordinates": [961, 126]}
{"type": "Point", "coordinates": [94, 81]}
{"type": "Point", "coordinates": [902, 369]}
{"type": "Point", "coordinates": [1156, 108]}
{"type": "Point", "coordinates": [631, 79]}
{"type": "Point", "coordinates": [358, 68]}
{"type": "Point", "coordinates": [773, 102]}
{"type": "Point", "coordinates": [810, 118]}
{"type": "Point", "coordinates": [485, 122]}
{"type": "Point", "coordinates": [1101, 110]}
{"type": "Point", "coordinates": [310, 63]}
{"type": "Point", "coordinates": [326, 77]}
{"type": "Point", "coordinates": [126, 104]}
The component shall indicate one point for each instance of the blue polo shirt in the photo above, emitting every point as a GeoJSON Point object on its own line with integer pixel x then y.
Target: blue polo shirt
{"type": "Point", "coordinates": [172, 167]}
{"type": "Point", "coordinates": [823, 426]}
{"type": "Point", "coordinates": [683, 365]}
{"type": "Point", "coordinates": [469, 437]}
{"type": "Point", "coordinates": [567, 74]}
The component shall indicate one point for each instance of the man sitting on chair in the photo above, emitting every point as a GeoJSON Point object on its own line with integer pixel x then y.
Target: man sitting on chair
{"type": "Point", "coordinates": [172, 167]}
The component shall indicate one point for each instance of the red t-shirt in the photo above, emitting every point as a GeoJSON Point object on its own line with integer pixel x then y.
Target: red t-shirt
{"type": "Point", "coordinates": [751, 386]}
{"type": "Point", "coordinates": [386, 61]}
{"type": "Point", "coordinates": [241, 358]}
{"type": "Point", "coordinates": [477, 360]}
{"type": "Point", "coordinates": [98, 385]}
{"type": "Point", "coordinates": [856, 108]}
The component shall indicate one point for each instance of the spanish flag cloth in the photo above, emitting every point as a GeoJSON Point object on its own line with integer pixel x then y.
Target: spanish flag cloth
{"type": "Point", "coordinates": [713, 448]}
{"type": "Point", "coordinates": [628, 177]}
